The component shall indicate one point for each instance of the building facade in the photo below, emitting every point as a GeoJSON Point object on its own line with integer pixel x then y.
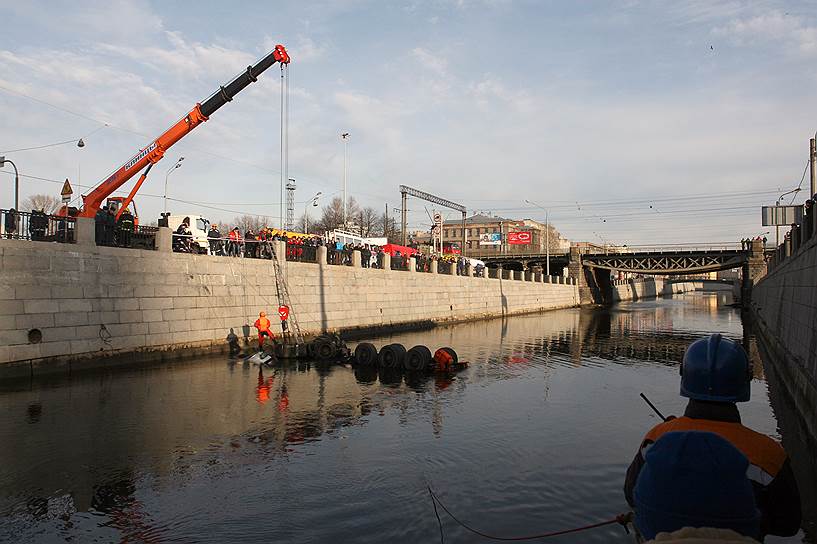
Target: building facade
{"type": "Point", "coordinates": [488, 235]}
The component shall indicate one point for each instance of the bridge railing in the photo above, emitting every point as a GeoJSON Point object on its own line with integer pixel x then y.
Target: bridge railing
{"type": "Point", "coordinates": [796, 238]}
{"type": "Point", "coordinates": [670, 248]}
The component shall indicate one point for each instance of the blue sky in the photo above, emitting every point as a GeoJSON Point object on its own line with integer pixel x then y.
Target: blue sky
{"type": "Point", "coordinates": [633, 122]}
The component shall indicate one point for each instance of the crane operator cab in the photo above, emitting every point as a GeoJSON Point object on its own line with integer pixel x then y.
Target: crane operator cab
{"type": "Point", "coordinates": [115, 204]}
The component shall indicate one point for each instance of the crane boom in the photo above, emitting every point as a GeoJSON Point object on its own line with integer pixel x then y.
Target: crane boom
{"type": "Point", "coordinates": [153, 152]}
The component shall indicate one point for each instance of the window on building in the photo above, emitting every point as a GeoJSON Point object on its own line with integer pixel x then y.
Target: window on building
{"type": "Point", "coordinates": [445, 233]}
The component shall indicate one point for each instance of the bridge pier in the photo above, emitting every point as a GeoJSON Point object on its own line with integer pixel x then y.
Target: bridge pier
{"type": "Point", "coordinates": [752, 271]}
{"type": "Point", "coordinates": [595, 284]}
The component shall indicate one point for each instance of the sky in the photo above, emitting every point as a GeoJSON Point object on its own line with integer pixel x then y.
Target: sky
{"type": "Point", "coordinates": [631, 122]}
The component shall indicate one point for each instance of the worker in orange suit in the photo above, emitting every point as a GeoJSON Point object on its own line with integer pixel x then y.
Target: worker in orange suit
{"type": "Point", "coordinates": [443, 360]}
{"type": "Point", "coordinates": [262, 324]}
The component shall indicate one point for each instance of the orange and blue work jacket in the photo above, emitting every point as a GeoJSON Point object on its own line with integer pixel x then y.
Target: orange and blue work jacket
{"type": "Point", "coordinates": [776, 493]}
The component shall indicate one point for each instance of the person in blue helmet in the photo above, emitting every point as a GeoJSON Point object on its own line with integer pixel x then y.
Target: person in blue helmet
{"type": "Point", "coordinates": [715, 375]}
{"type": "Point", "coordinates": [694, 479]}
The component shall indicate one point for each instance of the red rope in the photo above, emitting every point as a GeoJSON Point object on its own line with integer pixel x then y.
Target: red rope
{"type": "Point", "coordinates": [621, 519]}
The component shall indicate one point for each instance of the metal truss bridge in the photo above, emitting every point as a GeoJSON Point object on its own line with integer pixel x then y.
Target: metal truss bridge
{"type": "Point", "coordinates": [658, 260]}
{"type": "Point", "coordinates": [681, 259]}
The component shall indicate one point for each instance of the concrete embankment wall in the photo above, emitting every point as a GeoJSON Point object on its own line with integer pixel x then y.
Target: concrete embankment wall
{"type": "Point", "coordinates": [93, 304]}
{"type": "Point", "coordinates": [643, 288]}
{"type": "Point", "coordinates": [637, 289]}
{"type": "Point", "coordinates": [784, 305]}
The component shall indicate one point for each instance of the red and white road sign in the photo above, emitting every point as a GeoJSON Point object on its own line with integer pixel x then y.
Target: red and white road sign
{"type": "Point", "coordinates": [283, 312]}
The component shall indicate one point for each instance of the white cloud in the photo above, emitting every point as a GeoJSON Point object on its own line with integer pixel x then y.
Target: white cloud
{"type": "Point", "coordinates": [184, 59]}
{"type": "Point", "coordinates": [304, 50]}
{"type": "Point", "coordinates": [432, 61]}
{"type": "Point", "coordinates": [773, 26]}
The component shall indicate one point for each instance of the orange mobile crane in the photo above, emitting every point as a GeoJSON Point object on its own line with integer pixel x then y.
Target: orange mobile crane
{"type": "Point", "coordinates": [153, 152]}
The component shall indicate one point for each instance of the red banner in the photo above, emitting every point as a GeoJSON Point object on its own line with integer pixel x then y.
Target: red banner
{"type": "Point", "coordinates": [519, 238]}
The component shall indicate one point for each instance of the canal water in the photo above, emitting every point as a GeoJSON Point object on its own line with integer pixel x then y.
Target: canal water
{"type": "Point", "coordinates": [534, 436]}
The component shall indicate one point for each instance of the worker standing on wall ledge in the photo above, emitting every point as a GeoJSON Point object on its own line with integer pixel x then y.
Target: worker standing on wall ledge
{"type": "Point", "coordinates": [262, 324]}
{"type": "Point", "coordinates": [716, 374]}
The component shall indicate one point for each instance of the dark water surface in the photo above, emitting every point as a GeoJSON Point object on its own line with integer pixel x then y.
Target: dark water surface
{"type": "Point", "coordinates": [534, 436]}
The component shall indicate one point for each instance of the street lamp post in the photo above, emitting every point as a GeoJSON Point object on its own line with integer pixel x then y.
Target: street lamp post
{"type": "Point", "coordinates": [547, 235]}
{"type": "Point", "coordinates": [345, 138]}
{"type": "Point", "coordinates": [172, 168]}
{"type": "Point", "coordinates": [777, 227]}
{"type": "Point", "coordinates": [314, 201]}
{"type": "Point", "coordinates": [3, 162]}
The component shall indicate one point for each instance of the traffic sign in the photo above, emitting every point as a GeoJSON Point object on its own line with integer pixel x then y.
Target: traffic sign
{"type": "Point", "coordinates": [67, 191]}
{"type": "Point", "coordinates": [283, 312]}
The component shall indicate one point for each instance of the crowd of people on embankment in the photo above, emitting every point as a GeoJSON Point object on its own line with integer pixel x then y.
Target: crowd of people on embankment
{"type": "Point", "coordinates": [303, 247]}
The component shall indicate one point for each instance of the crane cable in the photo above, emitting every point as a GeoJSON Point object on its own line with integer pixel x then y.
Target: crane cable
{"type": "Point", "coordinates": [621, 519]}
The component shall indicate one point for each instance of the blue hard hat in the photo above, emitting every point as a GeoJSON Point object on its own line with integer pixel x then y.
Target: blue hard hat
{"type": "Point", "coordinates": [694, 479]}
{"type": "Point", "coordinates": [716, 369]}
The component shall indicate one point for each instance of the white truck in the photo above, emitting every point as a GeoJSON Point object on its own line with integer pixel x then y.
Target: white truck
{"type": "Point", "coordinates": [198, 227]}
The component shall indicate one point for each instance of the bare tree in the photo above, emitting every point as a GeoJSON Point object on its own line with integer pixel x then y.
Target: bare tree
{"type": "Point", "coordinates": [247, 222]}
{"type": "Point", "coordinates": [387, 229]}
{"type": "Point", "coordinates": [332, 214]}
{"type": "Point", "coordinates": [47, 203]}
{"type": "Point", "coordinates": [367, 222]}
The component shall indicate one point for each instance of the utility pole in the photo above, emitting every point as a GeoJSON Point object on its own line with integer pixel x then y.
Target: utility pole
{"type": "Point", "coordinates": [464, 237]}
{"type": "Point", "coordinates": [345, 138]}
{"type": "Point", "coordinates": [386, 223]}
{"type": "Point", "coordinates": [547, 243]}
{"type": "Point", "coordinates": [403, 218]}
{"type": "Point", "coordinates": [812, 154]}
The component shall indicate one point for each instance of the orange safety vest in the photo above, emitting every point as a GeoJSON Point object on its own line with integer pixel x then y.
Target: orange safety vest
{"type": "Point", "coordinates": [262, 324]}
{"type": "Point", "coordinates": [766, 457]}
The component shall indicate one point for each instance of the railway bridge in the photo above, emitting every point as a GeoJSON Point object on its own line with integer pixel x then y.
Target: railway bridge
{"type": "Point", "coordinates": [593, 267]}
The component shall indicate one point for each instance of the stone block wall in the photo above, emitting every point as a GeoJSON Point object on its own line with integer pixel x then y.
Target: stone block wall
{"type": "Point", "coordinates": [89, 302]}
{"type": "Point", "coordinates": [784, 305]}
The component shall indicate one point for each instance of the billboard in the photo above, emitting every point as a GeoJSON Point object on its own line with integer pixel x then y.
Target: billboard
{"type": "Point", "coordinates": [490, 239]}
{"type": "Point", "coordinates": [520, 238]}
{"type": "Point", "coordinates": [781, 215]}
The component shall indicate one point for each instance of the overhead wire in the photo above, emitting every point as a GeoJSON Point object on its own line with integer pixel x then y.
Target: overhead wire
{"type": "Point", "coordinates": [74, 140]}
{"type": "Point", "coordinates": [800, 185]}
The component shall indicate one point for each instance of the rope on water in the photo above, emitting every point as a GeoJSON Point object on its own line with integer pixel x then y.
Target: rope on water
{"type": "Point", "coordinates": [621, 519]}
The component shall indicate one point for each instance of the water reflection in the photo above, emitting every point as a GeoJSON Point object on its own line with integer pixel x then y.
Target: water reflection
{"type": "Point", "coordinates": [539, 427]}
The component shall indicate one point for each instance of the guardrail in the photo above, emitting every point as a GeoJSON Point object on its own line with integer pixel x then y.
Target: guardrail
{"type": "Point", "coordinates": [670, 248]}
{"type": "Point", "coordinates": [38, 227]}
{"type": "Point", "coordinates": [301, 253]}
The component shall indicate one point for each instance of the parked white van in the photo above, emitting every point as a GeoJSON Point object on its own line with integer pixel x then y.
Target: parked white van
{"type": "Point", "coordinates": [198, 226]}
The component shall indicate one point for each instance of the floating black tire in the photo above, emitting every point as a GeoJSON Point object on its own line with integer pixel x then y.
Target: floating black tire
{"type": "Point", "coordinates": [392, 356]}
{"type": "Point", "coordinates": [366, 354]}
{"type": "Point", "coordinates": [418, 358]}
{"type": "Point", "coordinates": [325, 350]}
{"type": "Point", "coordinates": [452, 353]}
